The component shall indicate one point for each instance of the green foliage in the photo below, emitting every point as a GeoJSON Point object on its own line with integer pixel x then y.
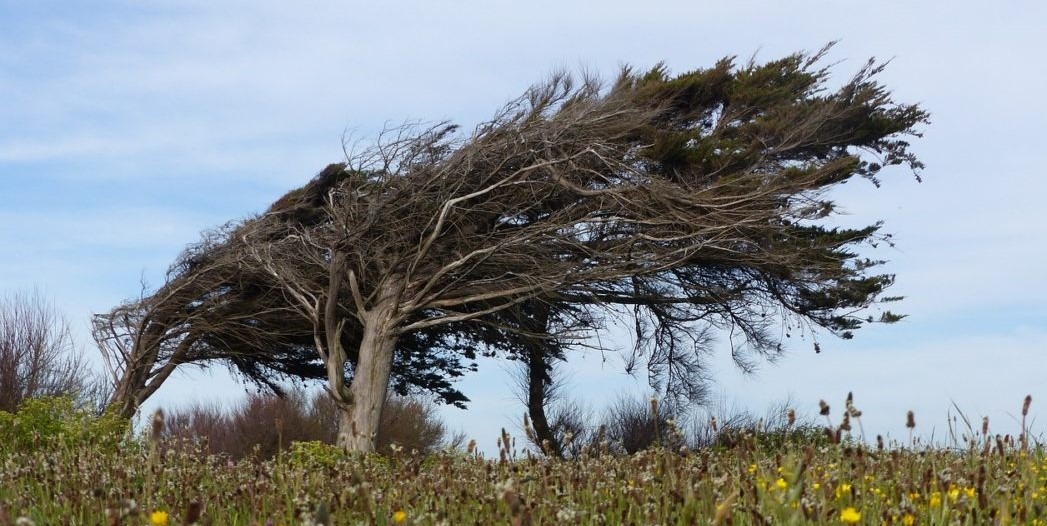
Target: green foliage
{"type": "Point", "coordinates": [774, 440]}
{"type": "Point", "coordinates": [56, 423]}
{"type": "Point", "coordinates": [314, 455]}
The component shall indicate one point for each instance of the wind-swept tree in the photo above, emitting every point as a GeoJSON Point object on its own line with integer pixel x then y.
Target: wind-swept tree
{"type": "Point", "coordinates": [207, 310]}
{"type": "Point", "coordinates": [214, 307]}
{"type": "Point", "coordinates": [697, 198]}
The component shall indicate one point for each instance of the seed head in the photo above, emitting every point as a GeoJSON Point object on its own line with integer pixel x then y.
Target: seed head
{"type": "Point", "coordinates": [158, 425]}
{"type": "Point", "coordinates": [1025, 406]}
{"type": "Point", "coordinates": [824, 408]}
{"type": "Point", "coordinates": [910, 420]}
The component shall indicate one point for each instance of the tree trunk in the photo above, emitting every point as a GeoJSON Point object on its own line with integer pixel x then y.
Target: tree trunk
{"type": "Point", "coordinates": [537, 380]}
{"type": "Point", "coordinates": [358, 423]}
{"type": "Point", "coordinates": [139, 380]}
{"type": "Point", "coordinates": [538, 358]}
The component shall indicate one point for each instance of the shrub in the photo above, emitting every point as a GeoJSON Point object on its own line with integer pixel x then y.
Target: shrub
{"type": "Point", "coordinates": [37, 355]}
{"type": "Point", "coordinates": [775, 430]}
{"type": "Point", "coordinates": [264, 424]}
{"type": "Point", "coordinates": [313, 455]}
{"type": "Point", "coordinates": [634, 424]}
{"type": "Point", "coordinates": [56, 422]}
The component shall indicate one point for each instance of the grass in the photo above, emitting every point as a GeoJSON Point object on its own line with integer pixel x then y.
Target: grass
{"type": "Point", "coordinates": [757, 480]}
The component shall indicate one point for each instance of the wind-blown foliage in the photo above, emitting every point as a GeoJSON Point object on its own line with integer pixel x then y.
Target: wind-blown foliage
{"type": "Point", "coordinates": [697, 201]}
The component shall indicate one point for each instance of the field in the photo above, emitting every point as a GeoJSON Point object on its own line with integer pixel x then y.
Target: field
{"type": "Point", "coordinates": [58, 469]}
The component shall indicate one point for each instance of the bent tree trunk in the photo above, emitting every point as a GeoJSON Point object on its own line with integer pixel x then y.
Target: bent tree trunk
{"type": "Point", "coordinates": [358, 423]}
{"type": "Point", "coordinates": [537, 390]}
{"type": "Point", "coordinates": [141, 377]}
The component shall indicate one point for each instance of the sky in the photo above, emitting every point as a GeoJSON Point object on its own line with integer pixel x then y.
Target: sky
{"type": "Point", "coordinates": [131, 126]}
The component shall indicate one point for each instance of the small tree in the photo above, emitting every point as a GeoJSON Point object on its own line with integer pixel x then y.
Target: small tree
{"type": "Point", "coordinates": [37, 355]}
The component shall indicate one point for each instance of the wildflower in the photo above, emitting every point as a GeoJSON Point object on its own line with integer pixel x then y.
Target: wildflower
{"type": "Point", "coordinates": [936, 500]}
{"type": "Point", "coordinates": [970, 492]}
{"type": "Point", "coordinates": [816, 486]}
{"type": "Point", "coordinates": [566, 515]}
{"type": "Point", "coordinates": [908, 519]}
{"type": "Point", "coordinates": [954, 493]}
{"type": "Point", "coordinates": [850, 516]}
{"type": "Point", "coordinates": [723, 510]}
{"type": "Point", "coordinates": [843, 489]}
{"type": "Point", "coordinates": [158, 518]}
{"type": "Point", "coordinates": [781, 484]}
{"type": "Point", "coordinates": [399, 517]}
{"type": "Point", "coordinates": [752, 468]}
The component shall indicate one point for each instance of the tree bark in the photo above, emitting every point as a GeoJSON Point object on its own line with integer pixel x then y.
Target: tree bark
{"type": "Point", "coordinates": [139, 380]}
{"type": "Point", "coordinates": [538, 360]}
{"type": "Point", "coordinates": [537, 379]}
{"type": "Point", "coordinates": [358, 423]}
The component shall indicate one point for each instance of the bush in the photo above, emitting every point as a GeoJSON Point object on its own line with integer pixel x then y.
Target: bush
{"type": "Point", "coordinates": [56, 422]}
{"type": "Point", "coordinates": [634, 425]}
{"type": "Point", "coordinates": [314, 455]}
{"type": "Point", "coordinates": [264, 424]}
{"type": "Point", "coordinates": [37, 355]}
{"type": "Point", "coordinates": [779, 427]}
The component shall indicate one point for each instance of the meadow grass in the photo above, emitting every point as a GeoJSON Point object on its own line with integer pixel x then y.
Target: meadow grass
{"type": "Point", "coordinates": [758, 479]}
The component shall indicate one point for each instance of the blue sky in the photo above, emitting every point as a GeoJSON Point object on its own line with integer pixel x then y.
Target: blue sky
{"type": "Point", "coordinates": [129, 127]}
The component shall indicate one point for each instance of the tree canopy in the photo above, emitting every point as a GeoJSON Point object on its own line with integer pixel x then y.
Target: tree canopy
{"type": "Point", "coordinates": [697, 201]}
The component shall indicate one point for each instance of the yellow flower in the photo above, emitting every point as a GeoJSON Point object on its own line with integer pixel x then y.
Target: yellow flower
{"type": "Point", "coordinates": [752, 468]}
{"type": "Point", "coordinates": [936, 500]}
{"type": "Point", "coordinates": [970, 492]}
{"type": "Point", "coordinates": [843, 490]}
{"type": "Point", "coordinates": [954, 493]}
{"type": "Point", "coordinates": [816, 486]}
{"type": "Point", "coordinates": [850, 516]}
{"type": "Point", "coordinates": [781, 483]}
{"type": "Point", "coordinates": [158, 518]}
{"type": "Point", "coordinates": [399, 517]}
{"type": "Point", "coordinates": [908, 519]}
